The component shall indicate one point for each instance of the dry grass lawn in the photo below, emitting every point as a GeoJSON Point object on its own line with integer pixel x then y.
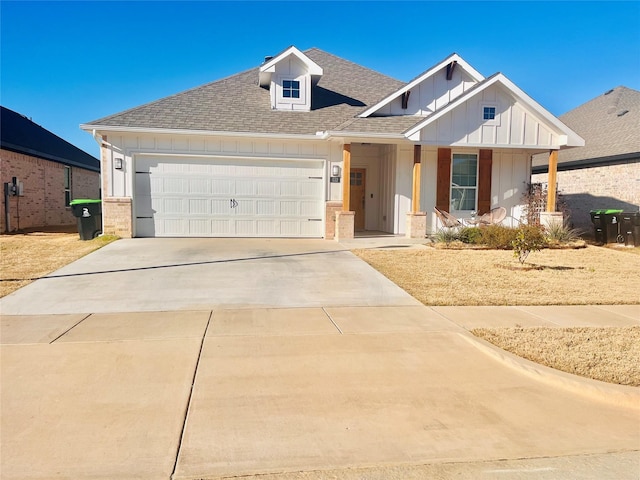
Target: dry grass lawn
{"type": "Point", "coordinates": [606, 354]}
{"type": "Point", "coordinates": [26, 257]}
{"type": "Point", "coordinates": [592, 275]}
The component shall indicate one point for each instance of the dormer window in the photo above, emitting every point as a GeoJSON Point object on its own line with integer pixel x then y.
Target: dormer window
{"type": "Point", "coordinates": [290, 77]}
{"type": "Point", "coordinates": [291, 89]}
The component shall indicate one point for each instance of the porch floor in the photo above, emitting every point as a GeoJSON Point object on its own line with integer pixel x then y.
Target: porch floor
{"type": "Point", "coordinates": [377, 239]}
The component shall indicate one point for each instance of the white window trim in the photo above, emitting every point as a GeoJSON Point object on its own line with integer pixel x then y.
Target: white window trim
{"type": "Point", "coordinates": [496, 120]}
{"type": "Point", "coordinates": [475, 201]}
{"type": "Point", "coordinates": [280, 99]}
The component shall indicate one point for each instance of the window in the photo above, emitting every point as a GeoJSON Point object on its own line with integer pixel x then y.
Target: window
{"type": "Point", "coordinates": [291, 89]}
{"type": "Point", "coordinates": [464, 181]}
{"type": "Point", "coordinates": [488, 113]}
{"type": "Point", "coordinates": [67, 186]}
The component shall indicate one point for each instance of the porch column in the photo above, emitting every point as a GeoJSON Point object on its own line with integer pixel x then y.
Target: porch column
{"type": "Point", "coordinates": [416, 220]}
{"type": "Point", "coordinates": [345, 220]}
{"type": "Point", "coordinates": [415, 194]}
{"type": "Point", "coordinates": [553, 180]}
{"type": "Point", "coordinates": [346, 176]}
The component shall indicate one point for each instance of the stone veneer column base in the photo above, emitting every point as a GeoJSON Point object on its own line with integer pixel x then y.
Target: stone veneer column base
{"type": "Point", "coordinates": [416, 225]}
{"type": "Point", "coordinates": [345, 225]}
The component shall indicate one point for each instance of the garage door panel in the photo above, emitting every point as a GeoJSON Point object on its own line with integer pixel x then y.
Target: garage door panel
{"type": "Point", "coordinates": [200, 186]}
{"type": "Point", "coordinates": [221, 207]}
{"type": "Point", "coordinates": [199, 206]}
{"type": "Point", "coordinates": [228, 197]}
{"type": "Point", "coordinates": [265, 207]}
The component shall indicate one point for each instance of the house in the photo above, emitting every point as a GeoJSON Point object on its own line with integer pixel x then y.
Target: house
{"type": "Point", "coordinates": [41, 173]}
{"type": "Point", "coordinates": [308, 144]}
{"type": "Point", "coordinates": [605, 173]}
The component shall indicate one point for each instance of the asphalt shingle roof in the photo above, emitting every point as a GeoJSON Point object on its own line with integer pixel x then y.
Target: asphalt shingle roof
{"type": "Point", "coordinates": [19, 134]}
{"type": "Point", "coordinates": [607, 131]}
{"type": "Point", "coordinates": [239, 104]}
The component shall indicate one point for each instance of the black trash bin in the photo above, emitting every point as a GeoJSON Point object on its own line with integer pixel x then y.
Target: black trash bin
{"type": "Point", "coordinates": [606, 223]}
{"type": "Point", "coordinates": [89, 214]}
{"type": "Point", "coordinates": [630, 228]}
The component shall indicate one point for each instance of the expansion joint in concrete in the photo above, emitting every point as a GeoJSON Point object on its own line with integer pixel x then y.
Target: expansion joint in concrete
{"type": "Point", "coordinates": [334, 323]}
{"type": "Point", "coordinates": [193, 382]}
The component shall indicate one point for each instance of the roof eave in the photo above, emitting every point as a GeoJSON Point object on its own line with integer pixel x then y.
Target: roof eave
{"type": "Point", "coordinates": [176, 131]}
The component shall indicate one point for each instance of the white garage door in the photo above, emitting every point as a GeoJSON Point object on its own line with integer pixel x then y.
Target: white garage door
{"type": "Point", "coordinates": [186, 197]}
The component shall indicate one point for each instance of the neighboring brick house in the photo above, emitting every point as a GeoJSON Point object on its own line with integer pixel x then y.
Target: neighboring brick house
{"type": "Point", "coordinates": [605, 173]}
{"type": "Point", "coordinates": [51, 170]}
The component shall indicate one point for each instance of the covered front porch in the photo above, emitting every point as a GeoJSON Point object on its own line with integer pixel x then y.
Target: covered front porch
{"type": "Point", "coordinates": [393, 187]}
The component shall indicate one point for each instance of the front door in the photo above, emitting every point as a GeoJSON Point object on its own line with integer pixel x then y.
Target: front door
{"type": "Point", "coordinates": [356, 199]}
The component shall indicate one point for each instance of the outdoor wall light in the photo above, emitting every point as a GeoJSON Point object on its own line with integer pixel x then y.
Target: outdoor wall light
{"type": "Point", "coordinates": [335, 171]}
{"type": "Point", "coordinates": [118, 163]}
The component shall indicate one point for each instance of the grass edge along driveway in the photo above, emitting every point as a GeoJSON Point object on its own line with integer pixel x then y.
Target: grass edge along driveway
{"type": "Point", "coordinates": [29, 256]}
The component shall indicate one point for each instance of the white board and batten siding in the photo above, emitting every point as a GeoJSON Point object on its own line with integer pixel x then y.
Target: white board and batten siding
{"type": "Point", "coordinates": [514, 126]}
{"type": "Point", "coordinates": [432, 93]}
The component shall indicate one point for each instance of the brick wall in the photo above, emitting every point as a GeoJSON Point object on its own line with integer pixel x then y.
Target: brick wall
{"type": "Point", "coordinates": [586, 189]}
{"type": "Point", "coordinates": [116, 216]}
{"type": "Point", "coordinates": [330, 219]}
{"type": "Point", "coordinates": [43, 202]}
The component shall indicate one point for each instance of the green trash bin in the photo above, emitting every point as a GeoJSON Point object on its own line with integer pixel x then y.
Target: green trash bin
{"type": "Point", "coordinates": [606, 223]}
{"type": "Point", "coordinates": [89, 214]}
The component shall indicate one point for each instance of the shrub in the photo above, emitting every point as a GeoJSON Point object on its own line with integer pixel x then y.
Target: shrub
{"type": "Point", "coordinates": [529, 238]}
{"type": "Point", "coordinates": [561, 233]}
{"type": "Point", "coordinates": [470, 235]}
{"type": "Point", "coordinates": [497, 236]}
{"type": "Point", "coordinates": [446, 235]}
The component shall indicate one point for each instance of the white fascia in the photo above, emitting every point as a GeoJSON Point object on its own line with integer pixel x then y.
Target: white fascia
{"type": "Point", "coordinates": [567, 137]}
{"type": "Point", "coordinates": [477, 76]}
{"type": "Point", "coordinates": [360, 136]}
{"type": "Point", "coordinates": [269, 67]}
{"type": "Point", "coordinates": [173, 131]}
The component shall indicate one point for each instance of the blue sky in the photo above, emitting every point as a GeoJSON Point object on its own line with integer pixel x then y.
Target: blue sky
{"type": "Point", "coordinates": [67, 63]}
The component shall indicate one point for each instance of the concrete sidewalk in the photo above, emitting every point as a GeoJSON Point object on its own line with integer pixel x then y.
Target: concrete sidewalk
{"type": "Point", "coordinates": [301, 389]}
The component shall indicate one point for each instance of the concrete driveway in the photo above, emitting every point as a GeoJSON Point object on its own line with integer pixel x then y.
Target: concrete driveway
{"type": "Point", "coordinates": [304, 360]}
{"type": "Point", "coordinates": [158, 274]}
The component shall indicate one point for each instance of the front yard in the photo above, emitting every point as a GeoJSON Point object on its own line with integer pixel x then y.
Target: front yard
{"type": "Point", "coordinates": [26, 257]}
{"type": "Point", "coordinates": [591, 275]}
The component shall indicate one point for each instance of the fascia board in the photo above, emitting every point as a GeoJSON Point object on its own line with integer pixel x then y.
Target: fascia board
{"type": "Point", "coordinates": [506, 146]}
{"type": "Point", "coordinates": [217, 133]}
{"type": "Point", "coordinates": [477, 76]}
{"type": "Point", "coordinates": [372, 135]}
{"type": "Point", "coordinates": [314, 68]}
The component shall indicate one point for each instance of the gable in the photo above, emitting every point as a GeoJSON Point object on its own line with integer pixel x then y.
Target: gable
{"type": "Point", "coordinates": [430, 90]}
{"type": "Point", "coordinates": [517, 121]}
